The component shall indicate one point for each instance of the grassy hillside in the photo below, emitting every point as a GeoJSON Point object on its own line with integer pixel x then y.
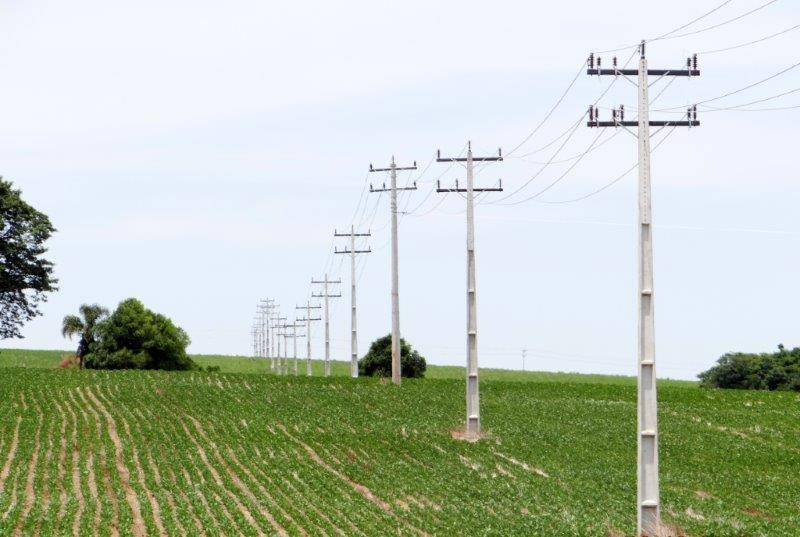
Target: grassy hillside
{"type": "Point", "coordinates": [92, 452]}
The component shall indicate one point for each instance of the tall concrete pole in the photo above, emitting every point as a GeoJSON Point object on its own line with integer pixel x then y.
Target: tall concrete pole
{"type": "Point", "coordinates": [353, 318]}
{"type": "Point", "coordinates": [473, 395]}
{"type": "Point", "coordinates": [327, 330]}
{"type": "Point", "coordinates": [308, 307]}
{"type": "Point", "coordinates": [647, 494]}
{"type": "Point", "coordinates": [285, 365]}
{"type": "Point", "coordinates": [647, 415]}
{"type": "Point", "coordinates": [326, 296]}
{"type": "Point", "coordinates": [294, 343]}
{"type": "Point", "coordinates": [353, 321]}
{"type": "Point", "coordinates": [392, 169]}
{"type": "Point", "coordinates": [308, 340]}
{"type": "Point", "coordinates": [473, 425]}
{"type": "Point", "coordinates": [396, 374]}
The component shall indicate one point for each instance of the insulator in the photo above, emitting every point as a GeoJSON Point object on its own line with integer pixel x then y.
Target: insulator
{"type": "Point", "coordinates": [694, 61]}
{"type": "Point", "coordinates": [615, 62]}
{"type": "Point", "coordinates": [599, 62]}
{"type": "Point", "coordinates": [590, 61]}
{"type": "Point", "coordinates": [591, 113]}
{"type": "Point", "coordinates": [614, 114]}
{"type": "Point", "coordinates": [688, 63]}
{"type": "Point", "coordinates": [622, 112]}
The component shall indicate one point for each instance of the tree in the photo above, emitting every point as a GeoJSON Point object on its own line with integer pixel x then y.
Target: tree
{"type": "Point", "coordinates": [765, 371]}
{"type": "Point", "coordinates": [378, 361]}
{"type": "Point", "coordinates": [25, 275]}
{"type": "Point", "coordinates": [133, 337]}
{"type": "Point", "coordinates": [85, 325]}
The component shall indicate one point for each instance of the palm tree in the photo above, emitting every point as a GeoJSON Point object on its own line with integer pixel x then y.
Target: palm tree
{"type": "Point", "coordinates": [84, 324]}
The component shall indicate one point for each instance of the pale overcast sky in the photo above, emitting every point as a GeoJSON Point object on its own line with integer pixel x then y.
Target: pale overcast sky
{"type": "Point", "coordinates": [198, 155]}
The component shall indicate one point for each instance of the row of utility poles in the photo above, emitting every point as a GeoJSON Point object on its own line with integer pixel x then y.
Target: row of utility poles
{"type": "Point", "coordinates": [648, 496]}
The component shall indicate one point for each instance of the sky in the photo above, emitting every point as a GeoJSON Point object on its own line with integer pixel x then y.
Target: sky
{"type": "Point", "coordinates": [199, 155]}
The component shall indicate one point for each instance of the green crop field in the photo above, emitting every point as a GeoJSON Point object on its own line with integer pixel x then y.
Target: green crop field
{"type": "Point", "coordinates": [134, 452]}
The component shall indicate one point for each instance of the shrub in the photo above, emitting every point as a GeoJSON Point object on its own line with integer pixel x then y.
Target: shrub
{"type": "Point", "coordinates": [765, 371]}
{"type": "Point", "coordinates": [378, 361]}
{"type": "Point", "coordinates": [133, 337]}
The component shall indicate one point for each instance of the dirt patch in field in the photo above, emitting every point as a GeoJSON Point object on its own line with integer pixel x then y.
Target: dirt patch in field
{"type": "Point", "coordinates": [756, 513]}
{"type": "Point", "coordinates": [462, 434]}
{"type": "Point", "coordinates": [703, 495]}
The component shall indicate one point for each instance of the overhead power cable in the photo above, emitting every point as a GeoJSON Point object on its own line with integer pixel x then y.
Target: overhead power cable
{"type": "Point", "coordinates": [669, 35]}
{"type": "Point", "coordinates": [734, 47]}
{"type": "Point", "coordinates": [611, 183]}
{"type": "Point", "coordinates": [728, 94]}
{"type": "Point", "coordinates": [718, 25]}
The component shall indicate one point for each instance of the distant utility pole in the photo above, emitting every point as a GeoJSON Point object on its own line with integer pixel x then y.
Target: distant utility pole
{"type": "Point", "coordinates": [473, 428]}
{"type": "Point", "coordinates": [294, 335]}
{"type": "Point", "coordinates": [353, 324]}
{"type": "Point", "coordinates": [648, 498]}
{"type": "Point", "coordinates": [257, 335]}
{"type": "Point", "coordinates": [308, 319]}
{"type": "Point", "coordinates": [326, 296]}
{"type": "Point", "coordinates": [393, 169]}
{"type": "Point", "coordinates": [266, 306]}
{"type": "Point", "coordinates": [284, 365]}
{"type": "Point", "coordinates": [524, 354]}
{"type": "Point", "coordinates": [277, 339]}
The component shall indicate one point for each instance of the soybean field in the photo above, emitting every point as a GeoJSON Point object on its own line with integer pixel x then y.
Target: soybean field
{"type": "Point", "coordinates": [196, 453]}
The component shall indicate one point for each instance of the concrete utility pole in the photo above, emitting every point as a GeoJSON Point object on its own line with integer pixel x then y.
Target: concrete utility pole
{"type": "Point", "coordinates": [648, 497]}
{"type": "Point", "coordinates": [276, 337]}
{"type": "Point", "coordinates": [294, 335]}
{"type": "Point", "coordinates": [473, 426]}
{"type": "Point", "coordinates": [353, 323]}
{"type": "Point", "coordinates": [308, 319]}
{"type": "Point", "coordinates": [284, 366]}
{"type": "Point", "coordinates": [524, 354]}
{"type": "Point", "coordinates": [257, 335]}
{"type": "Point", "coordinates": [266, 306]}
{"type": "Point", "coordinates": [326, 296]}
{"type": "Point", "coordinates": [393, 169]}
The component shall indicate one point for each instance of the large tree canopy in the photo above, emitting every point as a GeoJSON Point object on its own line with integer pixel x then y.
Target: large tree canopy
{"type": "Point", "coordinates": [378, 361]}
{"type": "Point", "coordinates": [133, 337]}
{"type": "Point", "coordinates": [765, 371]}
{"type": "Point", "coordinates": [25, 275]}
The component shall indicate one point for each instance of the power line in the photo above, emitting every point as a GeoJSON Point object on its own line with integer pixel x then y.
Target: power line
{"type": "Point", "coordinates": [611, 183]}
{"type": "Point", "coordinates": [549, 113]}
{"type": "Point", "coordinates": [734, 92]}
{"type": "Point", "coordinates": [795, 27]}
{"type": "Point", "coordinates": [718, 25]}
{"type": "Point", "coordinates": [698, 19]}
{"type": "Point", "coordinates": [669, 35]}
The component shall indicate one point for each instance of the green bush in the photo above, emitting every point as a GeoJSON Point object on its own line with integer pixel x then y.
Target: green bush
{"type": "Point", "coordinates": [133, 337]}
{"type": "Point", "coordinates": [765, 371]}
{"type": "Point", "coordinates": [378, 361]}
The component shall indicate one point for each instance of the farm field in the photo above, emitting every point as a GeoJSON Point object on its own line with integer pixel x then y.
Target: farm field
{"type": "Point", "coordinates": [244, 364]}
{"type": "Point", "coordinates": [133, 452]}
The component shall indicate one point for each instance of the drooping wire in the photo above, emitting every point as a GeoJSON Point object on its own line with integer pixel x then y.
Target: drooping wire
{"type": "Point", "coordinates": [718, 25]}
{"type": "Point", "coordinates": [669, 35]}
{"type": "Point", "coordinates": [611, 183]}
{"type": "Point", "coordinates": [698, 19]}
{"type": "Point", "coordinates": [760, 40]}
{"type": "Point", "coordinates": [549, 113]}
{"type": "Point", "coordinates": [734, 92]}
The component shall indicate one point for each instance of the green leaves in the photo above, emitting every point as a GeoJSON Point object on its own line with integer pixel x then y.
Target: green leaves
{"type": "Point", "coordinates": [378, 361]}
{"type": "Point", "coordinates": [134, 337]}
{"type": "Point", "coordinates": [25, 275]}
